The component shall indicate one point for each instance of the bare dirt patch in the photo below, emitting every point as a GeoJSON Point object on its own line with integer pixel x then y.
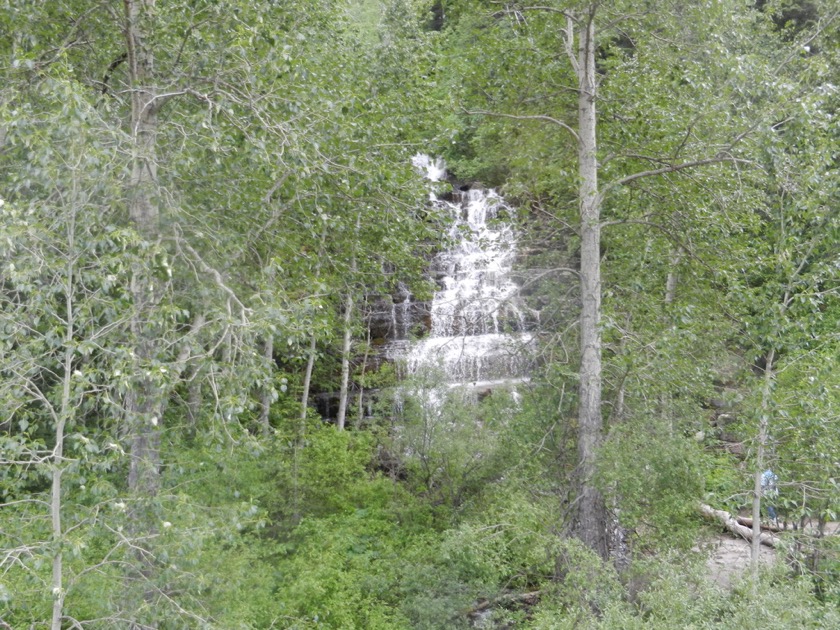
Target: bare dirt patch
{"type": "Point", "coordinates": [730, 559]}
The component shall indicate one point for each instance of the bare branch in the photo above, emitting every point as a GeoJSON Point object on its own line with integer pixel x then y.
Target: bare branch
{"type": "Point", "coordinates": [182, 243]}
{"type": "Point", "coordinates": [534, 8]}
{"type": "Point", "coordinates": [559, 123]}
{"type": "Point", "coordinates": [671, 168]}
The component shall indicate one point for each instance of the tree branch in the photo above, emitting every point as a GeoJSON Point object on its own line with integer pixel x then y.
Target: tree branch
{"type": "Point", "coordinates": [732, 524]}
{"type": "Point", "coordinates": [181, 242]}
{"type": "Point", "coordinates": [536, 8]}
{"type": "Point", "coordinates": [541, 117]}
{"type": "Point", "coordinates": [111, 67]}
{"type": "Point", "coordinates": [671, 168]}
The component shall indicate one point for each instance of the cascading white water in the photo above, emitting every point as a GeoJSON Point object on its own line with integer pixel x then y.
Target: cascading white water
{"type": "Point", "coordinates": [477, 334]}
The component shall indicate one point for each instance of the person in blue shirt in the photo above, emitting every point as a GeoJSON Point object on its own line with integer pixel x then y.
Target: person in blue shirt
{"type": "Point", "coordinates": [770, 491]}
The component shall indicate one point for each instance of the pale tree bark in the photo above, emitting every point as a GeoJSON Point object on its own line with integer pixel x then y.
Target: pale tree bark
{"type": "Point", "coordinates": [313, 340]}
{"type": "Point", "coordinates": [346, 346]}
{"type": "Point", "coordinates": [301, 432]}
{"type": "Point", "coordinates": [590, 524]}
{"type": "Point", "coordinates": [58, 592]}
{"type": "Point", "coordinates": [304, 398]}
{"type": "Point", "coordinates": [266, 397]}
{"type": "Point", "coordinates": [64, 413]}
{"type": "Point", "coordinates": [764, 436]}
{"type": "Point", "coordinates": [55, 495]}
{"type": "Point", "coordinates": [307, 376]}
{"type": "Point", "coordinates": [673, 278]}
{"type": "Point", "coordinates": [733, 524]}
{"type": "Point", "coordinates": [763, 433]}
{"type": "Point", "coordinates": [347, 343]}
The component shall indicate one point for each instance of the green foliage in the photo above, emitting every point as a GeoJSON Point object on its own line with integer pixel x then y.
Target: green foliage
{"type": "Point", "coordinates": [724, 484]}
{"type": "Point", "coordinates": [453, 444]}
{"type": "Point", "coordinates": [653, 477]}
{"type": "Point", "coordinates": [282, 128]}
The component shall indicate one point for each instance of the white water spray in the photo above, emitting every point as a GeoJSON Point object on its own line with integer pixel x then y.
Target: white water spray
{"type": "Point", "coordinates": [477, 335]}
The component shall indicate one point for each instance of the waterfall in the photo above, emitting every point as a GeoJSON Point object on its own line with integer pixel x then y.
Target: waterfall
{"type": "Point", "coordinates": [478, 334]}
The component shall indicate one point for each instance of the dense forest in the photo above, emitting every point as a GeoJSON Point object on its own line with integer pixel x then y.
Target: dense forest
{"type": "Point", "coordinates": [212, 212]}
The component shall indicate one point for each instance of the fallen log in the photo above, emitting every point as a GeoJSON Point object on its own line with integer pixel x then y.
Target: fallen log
{"type": "Point", "coordinates": [731, 523]}
{"type": "Point", "coordinates": [747, 522]}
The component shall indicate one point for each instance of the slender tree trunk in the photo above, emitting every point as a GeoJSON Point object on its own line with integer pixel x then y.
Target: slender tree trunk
{"type": "Point", "coordinates": [673, 278]}
{"type": "Point", "coordinates": [265, 399]}
{"type": "Point", "coordinates": [65, 410]}
{"type": "Point", "coordinates": [348, 341]}
{"type": "Point", "coordinates": [304, 398]}
{"type": "Point", "coordinates": [55, 497]}
{"type": "Point", "coordinates": [310, 360]}
{"type": "Point", "coordinates": [307, 376]}
{"type": "Point", "coordinates": [590, 525]}
{"type": "Point", "coordinates": [763, 432]}
{"type": "Point", "coordinates": [346, 346]}
{"type": "Point", "coordinates": [301, 432]}
{"type": "Point", "coordinates": [361, 399]}
{"type": "Point", "coordinates": [193, 398]}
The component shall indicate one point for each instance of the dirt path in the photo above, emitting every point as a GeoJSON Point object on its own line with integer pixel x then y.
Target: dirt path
{"type": "Point", "coordinates": [729, 559]}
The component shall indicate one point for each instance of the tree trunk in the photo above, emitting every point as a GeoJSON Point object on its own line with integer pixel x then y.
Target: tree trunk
{"type": "Point", "coordinates": [65, 410]}
{"type": "Point", "coordinates": [673, 278]}
{"type": "Point", "coordinates": [363, 372]}
{"type": "Point", "coordinates": [307, 376]}
{"type": "Point", "coordinates": [265, 399]}
{"type": "Point", "coordinates": [194, 399]}
{"type": "Point", "coordinates": [731, 523]}
{"type": "Point", "coordinates": [142, 197]}
{"type": "Point", "coordinates": [590, 523]}
{"type": "Point", "coordinates": [348, 340]}
{"type": "Point", "coordinates": [310, 361]}
{"type": "Point", "coordinates": [763, 429]}
{"type": "Point", "coordinates": [143, 402]}
{"type": "Point", "coordinates": [346, 346]}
